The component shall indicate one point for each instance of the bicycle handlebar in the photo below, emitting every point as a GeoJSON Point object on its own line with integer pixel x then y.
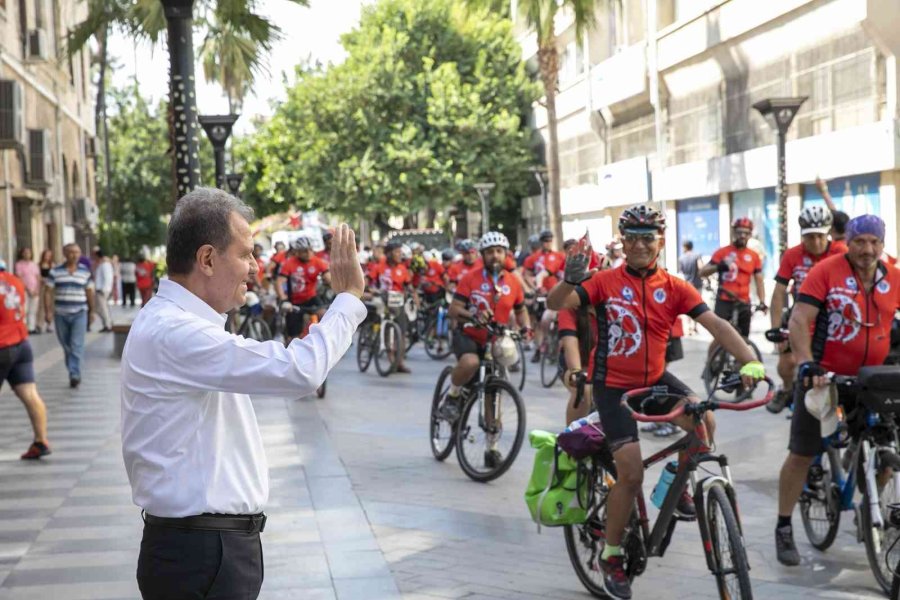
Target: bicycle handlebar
{"type": "Point", "coordinates": [662, 392]}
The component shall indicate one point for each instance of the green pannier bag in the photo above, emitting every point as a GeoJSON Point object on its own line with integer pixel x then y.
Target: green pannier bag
{"type": "Point", "coordinates": [553, 490]}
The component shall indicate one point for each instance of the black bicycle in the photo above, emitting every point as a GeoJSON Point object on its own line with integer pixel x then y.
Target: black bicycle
{"type": "Point", "coordinates": [721, 361]}
{"type": "Point", "coordinates": [714, 496]}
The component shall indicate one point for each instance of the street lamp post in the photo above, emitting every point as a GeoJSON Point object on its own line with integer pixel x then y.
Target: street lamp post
{"type": "Point", "coordinates": [539, 174]}
{"type": "Point", "coordinates": [182, 97]}
{"type": "Point", "coordinates": [484, 193]}
{"type": "Point", "coordinates": [218, 129]}
{"type": "Point", "coordinates": [233, 183]}
{"type": "Point", "coordinates": [779, 113]}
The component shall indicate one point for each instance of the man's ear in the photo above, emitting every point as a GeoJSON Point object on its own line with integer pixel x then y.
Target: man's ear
{"type": "Point", "coordinates": [205, 256]}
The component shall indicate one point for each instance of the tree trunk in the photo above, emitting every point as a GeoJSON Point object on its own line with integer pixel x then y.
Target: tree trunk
{"type": "Point", "coordinates": [102, 122]}
{"type": "Point", "coordinates": [548, 59]}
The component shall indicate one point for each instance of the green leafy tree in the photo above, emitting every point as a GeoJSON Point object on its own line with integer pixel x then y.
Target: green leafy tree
{"type": "Point", "coordinates": [429, 101]}
{"type": "Point", "coordinates": [540, 17]}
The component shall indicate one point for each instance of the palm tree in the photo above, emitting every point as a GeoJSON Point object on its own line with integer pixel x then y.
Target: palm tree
{"type": "Point", "coordinates": [241, 37]}
{"type": "Point", "coordinates": [539, 16]}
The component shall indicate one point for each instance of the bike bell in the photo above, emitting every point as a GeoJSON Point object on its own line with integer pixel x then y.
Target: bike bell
{"type": "Point", "coordinates": [504, 351]}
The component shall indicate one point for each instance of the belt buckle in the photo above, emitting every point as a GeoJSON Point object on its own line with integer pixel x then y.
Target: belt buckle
{"type": "Point", "coordinates": [258, 519]}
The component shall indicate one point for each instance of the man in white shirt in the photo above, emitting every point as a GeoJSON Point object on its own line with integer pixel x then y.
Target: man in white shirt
{"type": "Point", "coordinates": [190, 440]}
{"type": "Point", "coordinates": [103, 284]}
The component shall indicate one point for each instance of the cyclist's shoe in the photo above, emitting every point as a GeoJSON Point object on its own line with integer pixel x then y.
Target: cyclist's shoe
{"type": "Point", "coordinates": [403, 369]}
{"type": "Point", "coordinates": [650, 427]}
{"type": "Point", "coordinates": [537, 356]}
{"type": "Point", "coordinates": [35, 451]}
{"type": "Point", "coordinates": [665, 430]}
{"type": "Point", "coordinates": [492, 459]}
{"type": "Point", "coordinates": [614, 578]}
{"type": "Point", "coordinates": [777, 404]}
{"type": "Point", "coordinates": [685, 507]}
{"type": "Point", "coordinates": [449, 410]}
{"type": "Point", "coordinates": [785, 549]}
{"type": "Point", "coordinates": [515, 368]}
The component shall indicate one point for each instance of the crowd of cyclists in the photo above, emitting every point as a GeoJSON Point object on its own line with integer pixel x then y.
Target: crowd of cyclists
{"type": "Point", "coordinates": [609, 323]}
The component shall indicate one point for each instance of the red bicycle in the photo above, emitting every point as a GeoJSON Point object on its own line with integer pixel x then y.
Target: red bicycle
{"type": "Point", "coordinates": [714, 496]}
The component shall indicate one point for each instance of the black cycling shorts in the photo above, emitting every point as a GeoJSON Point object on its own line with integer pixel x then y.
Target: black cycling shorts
{"type": "Point", "coordinates": [617, 423]}
{"type": "Point", "coordinates": [293, 321]}
{"type": "Point", "coordinates": [433, 297]}
{"type": "Point", "coordinates": [463, 344]}
{"type": "Point", "coordinates": [17, 364]}
{"type": "Point", "coordinates": [674, 350]}
{"type": "Point", "coordinates": [726, 308]}
{"type": "Point", "coordinates": [806, 430]}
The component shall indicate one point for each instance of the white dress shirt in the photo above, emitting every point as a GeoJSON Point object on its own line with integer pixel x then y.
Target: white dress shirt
{"type": "Point", "coordinates": [189, 434]}
{"type": "Point", "coordinates": [103, 277]}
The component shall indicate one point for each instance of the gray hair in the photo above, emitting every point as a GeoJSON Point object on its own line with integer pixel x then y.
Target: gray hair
{"type": "Point", "coordinates": [201, 217]}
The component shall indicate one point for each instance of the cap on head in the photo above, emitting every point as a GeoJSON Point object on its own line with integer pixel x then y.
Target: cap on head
{"type": "Point", "coordinates": [866, 225]}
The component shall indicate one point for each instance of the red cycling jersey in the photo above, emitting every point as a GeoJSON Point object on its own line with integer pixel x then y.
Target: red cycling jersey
{"type": "Point", "coordinates": [841, 246]}
{"type": "Point", "coordinates": [853, 327]}
{"type": "Point", "coordinates": [460, 269]}
{"type": "Point", "coordinates": [433, 277]}
{"type": "Point", "coordinates": [796, 263]}
{"type": "Point", "coordinates": [549, 262]}
{"type": "Point", "coordinates": [567, 322]}
{"type": "Point", "coordinates": [372, 269]}
{"type": "Point", "coordinates": [479, 292]}
{"type": "Point", "coordinates": [12, 310]}
{"type": "Point", "coordinates": [302, 277]}
{"type": "Point", "coordinates": [393, 278]}
{"type": "Point", "coordinates": [636, 315]}
{"type": "Point", "coordinates": [743, 264]}
{"type": "Point", "coordinates": [324, 255]}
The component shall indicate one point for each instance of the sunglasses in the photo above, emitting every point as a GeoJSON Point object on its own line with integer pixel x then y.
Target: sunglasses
{"type": "Point", "coordinates": [645, 238]}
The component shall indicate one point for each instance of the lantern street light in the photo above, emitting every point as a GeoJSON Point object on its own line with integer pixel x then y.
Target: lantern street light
{"type": "Point", "coordinates": [218, 129]}
{"type": "Point", "coordinates": [779, 113]}
{"type": "Point", "coordinates": [484, 193]}
{"type": "Point", "coordinates": [233, 183]}
{"type": "Point", "coordinates": [540, 174]}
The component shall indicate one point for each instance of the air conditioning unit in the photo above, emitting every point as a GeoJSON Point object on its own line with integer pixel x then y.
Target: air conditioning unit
{"type": "Point", "coordinates": [37, 45]}
{"type": "Point", "coordinates": [40, 165]}
{"type": "Point", "coordinates": [12, 124]}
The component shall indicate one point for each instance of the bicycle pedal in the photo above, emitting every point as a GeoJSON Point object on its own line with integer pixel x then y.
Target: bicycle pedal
{"type": "Point", "coordinates": [678, 517]}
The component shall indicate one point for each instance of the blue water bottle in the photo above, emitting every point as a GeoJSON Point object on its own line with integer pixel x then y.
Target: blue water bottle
{"type": "Point", "coordinates": [662, 486]}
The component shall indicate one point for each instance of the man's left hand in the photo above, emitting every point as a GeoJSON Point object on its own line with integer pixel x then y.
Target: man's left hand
{"type": "Point", "coordinates": [752, 372]}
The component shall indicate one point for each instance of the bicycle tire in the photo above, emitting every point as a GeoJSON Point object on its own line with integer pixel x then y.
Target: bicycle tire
{"type": "Point", "coordinates": [437, 347]}
{"type": "Point", "coordinates": [828, 501]}
{"type": "Point", "coordinates": [441, 428]}
{"type": "Point", "coordinates": [392, 338]}
{"type": "Point", "coordinates": [550, 361]}
{"type": "Point", "coordinates": [365, 347]}
{"type": "Point", "coordinates": [882, 572]}
{"type": "Point", "coordinates": [584, 541]}
{"type": "Point", "coordinates": [719, 511]}
{"type": "Point", "coordinates": [520, 384]}
{"type": "Point", "coordinates": [713, 373]}
{"type": "Point", "coordinates": [257, 329]}
{"type": "Point", "coordinates": [466, 435]}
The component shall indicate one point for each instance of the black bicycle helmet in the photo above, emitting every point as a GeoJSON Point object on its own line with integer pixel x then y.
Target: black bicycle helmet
{"type": "Point", "coordinates": [642, 216]}
{"type": "Point", "coordinates": [392, 245]}
{"type": "Point", "coordinates": [448, 255]}
{"type": "Point", "coordinates": [466, 245]}
{"type": "Point", "coordinates": [327, 236]}
{"type": "Point", "coordinates": [546, 236]}
{"type": "Point", "coordinates": [534, 242]}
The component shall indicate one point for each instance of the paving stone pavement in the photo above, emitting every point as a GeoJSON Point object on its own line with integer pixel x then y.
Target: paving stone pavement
{"type": "Point", "coordinates": [359, 508]}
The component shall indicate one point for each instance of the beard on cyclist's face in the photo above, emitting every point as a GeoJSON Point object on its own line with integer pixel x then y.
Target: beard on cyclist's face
{"type": "Point", "coordinates": [864, 251]}
{"type": "Point", "coordinates": [814, 243]}
{"type": "Point", "coordinates": [470, 256]}
{"type": "Point", "coordinates": [740, 237]}
{"type": "Point", "coordinates": [493, 258]}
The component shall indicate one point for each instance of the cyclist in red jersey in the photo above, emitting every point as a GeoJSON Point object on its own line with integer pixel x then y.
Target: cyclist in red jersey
{"type": "Point", "coordinates": [274, 266]}
{"type": "Point", "coordinates": [469, 262]}
{"type": "Point", "coordinates": [637, 305]}
{"type": "Point", "coordinates": [325, 254]}
{"type": "Point", "coordinates": [434, 280]}
{"type": "Point", "coordinates": [394, 276]}
{"type": "Point", "coordinates": [796, 262]}
{"type": "Point", "coordinates": [736, 265]}
{"type": "Point", "coordinates": [376, 262]}
{"type": "Point", "coordinates": [486, 295]}
{"type": "Point", "coordinates": [297, 283]}
{"type": "Point", "coordinates": [841, 322]}
{"type": "Point", "coordinates": [541, 272]}
{"type": "Point", "coordinates": [578, 343]}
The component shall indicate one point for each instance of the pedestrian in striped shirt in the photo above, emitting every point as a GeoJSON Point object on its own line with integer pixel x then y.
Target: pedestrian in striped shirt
{"type": "Point", "coordinates": [73, 294]}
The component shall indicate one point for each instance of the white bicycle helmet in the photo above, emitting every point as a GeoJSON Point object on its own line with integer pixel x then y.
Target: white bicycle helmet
{"type": "Point", "coordinates": [405, 252]}
{"type": "Point", "coordinates": [491, 239]}
{"type": "Point", "coordinates": [815, 219]}
{"type": "Point", "coordinates": [504, 351]}
{"type": "Point", "coordinates": [251, 299]}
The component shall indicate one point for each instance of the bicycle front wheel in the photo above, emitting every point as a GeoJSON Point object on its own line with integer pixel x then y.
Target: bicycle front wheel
{"type": "Point", "coordinates": [550, 362]}
{"type": "Point", "coordinates": [388, 355]}
{"type": "Point", "coordinates": [490, 431]}
{"type": "Point", "coordinates": [820, 503]}
{"type": "Point", "coordinates": [880, 539]}
{"type": "Point", "coordinates": [441, 430]}
{"type": "Point", "coordinates": [437, 343]}
{"type": "Point", "coordinates": [365, 346]}
{"type": "Point", "coordinates": [516, 373]}
{"type": "Point", "coordinates": [257, 329]}
{"type": "Point", "coordinates": [720, 363]}
{"type": "Point", "coordinates": [732, 570]}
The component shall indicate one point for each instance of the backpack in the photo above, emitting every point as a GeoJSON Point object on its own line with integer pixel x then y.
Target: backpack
{"type": "Point", "coordinates": [556, 494]}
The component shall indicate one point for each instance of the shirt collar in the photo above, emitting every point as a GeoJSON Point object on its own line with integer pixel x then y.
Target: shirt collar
{"type": "Point", "coordinates": [189, 302]}
{"type": "Point", "coordinates": [650, 271]}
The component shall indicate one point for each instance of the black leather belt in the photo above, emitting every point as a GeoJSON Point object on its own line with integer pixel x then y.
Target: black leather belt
{"type": "Point", "coordinates": [212, 522]}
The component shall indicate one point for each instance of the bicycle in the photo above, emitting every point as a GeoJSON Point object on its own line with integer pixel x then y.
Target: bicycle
{"type": "Point", "coordinates": [252, 325]}
{"type": "Point", "coordinates": [384, 340]}
{"type": "Point", "coordinates": [872, 453]}
{"type": "Point", "coordinates": [487, 402]}
{"type": "Point", "coordinates": [367, 337]}
{"type": "Point", "coordinates": [313, 314]}
{"type": "Point", "coordinates": [438, 333]}
{"type": "Point", "coordinates": [550, 356]}
{"type": "Point", "coordinates": [721, 361]}
{"type": "Point", "coordinates": [713, 495]}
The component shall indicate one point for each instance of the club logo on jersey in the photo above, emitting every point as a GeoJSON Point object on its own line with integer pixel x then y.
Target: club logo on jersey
{"type": "Point", "coordinates": [628, 293]}
{"type": "Point", "coordinates": [659, 295]}
{"type": "Point", "coordinates": [732, 273]}
{"type": "Point", "coordinates": [850, 282]}
{"type": "Point", "coordinates": [505, 290]}
{"type": "Point", "coordinates": [311, 270]}
{"type": "Point", "coordinates": [844, 317]}
{"type": "Point", "coordinates": [747, 258]}
{"type": "Point", "coordinates": [883, 287]}
{"type": "Point", "coordinates": [625, 333]}
{"type": "Point", "coordinates": [12, 301]}
{"type": "Point", "coordinates": [485, 287]}
{"type": "Point", "coordinates": [807, 261]}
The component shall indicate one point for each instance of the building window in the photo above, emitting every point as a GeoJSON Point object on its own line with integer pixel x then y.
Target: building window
{"type": "Point", "coordinates": [695, 127]}
{"type": "Point", "coordinates": [571, 63]}
{"type": "Point", "coordinates": [633, 138]}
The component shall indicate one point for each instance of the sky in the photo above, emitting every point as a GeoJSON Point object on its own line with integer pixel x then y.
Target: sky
{"type": "Point", "coordinates": [312, 32]}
